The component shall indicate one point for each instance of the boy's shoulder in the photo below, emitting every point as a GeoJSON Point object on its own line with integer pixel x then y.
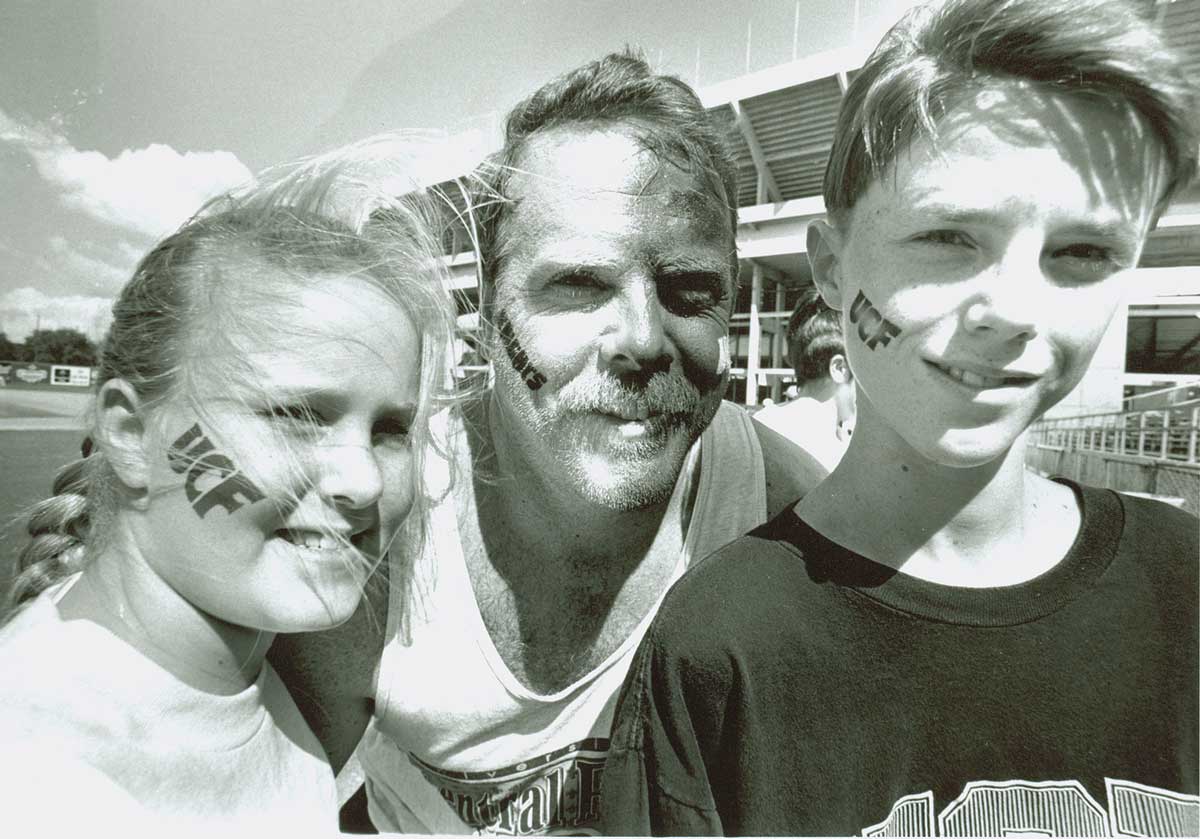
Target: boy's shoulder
{"type": "Point", "coordinates": [1159, 535]}
{"type": "Point", "coordinates": [746, 584]}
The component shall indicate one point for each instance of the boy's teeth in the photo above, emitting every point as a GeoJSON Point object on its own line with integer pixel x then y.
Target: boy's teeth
{"type": "Point", "coordinates": [973, 379]}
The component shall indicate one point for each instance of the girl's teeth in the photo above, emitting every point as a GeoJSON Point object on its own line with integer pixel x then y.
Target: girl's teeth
{"type": "Point", "coordinates": [317, 541]}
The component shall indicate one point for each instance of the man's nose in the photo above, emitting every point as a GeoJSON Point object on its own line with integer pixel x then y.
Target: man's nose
{"type": "Point", "coordinates": [636, 341]}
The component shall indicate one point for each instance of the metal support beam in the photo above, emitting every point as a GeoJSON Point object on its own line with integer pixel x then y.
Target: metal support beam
{"type": "Point", "coordinates": [754, 353]}
{"type": "Point", "coordinates": [756, 152]}
{"type": "Point", "coordinates": [777, 342]}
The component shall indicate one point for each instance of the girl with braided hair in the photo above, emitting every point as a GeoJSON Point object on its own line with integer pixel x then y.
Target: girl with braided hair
{"type": "Point", "coordinates": [262, 403]}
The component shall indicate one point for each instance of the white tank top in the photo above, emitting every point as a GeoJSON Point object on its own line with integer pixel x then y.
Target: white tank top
{"type": "Point", "coordinates": [458, 744]}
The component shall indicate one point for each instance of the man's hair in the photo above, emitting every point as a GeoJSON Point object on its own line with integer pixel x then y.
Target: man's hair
{"type": "Point", "coordinates": [939, 55]}
{"type": "Point", "coordinates": [618, 89]}
{"type": "Point", "coordinates": [814, 336]}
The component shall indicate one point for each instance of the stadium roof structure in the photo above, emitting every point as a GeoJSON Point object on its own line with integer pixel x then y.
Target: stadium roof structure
{"type": "Point", "coordinates": [780, 123]}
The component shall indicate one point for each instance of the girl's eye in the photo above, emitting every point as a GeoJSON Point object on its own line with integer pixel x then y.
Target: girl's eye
{"type": "Point", "coordinates": [294, 413]}
{"type": "Point", "coordinates": [391, 428]}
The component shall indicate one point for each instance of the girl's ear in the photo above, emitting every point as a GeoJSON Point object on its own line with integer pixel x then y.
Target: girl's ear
{"type": "Point", "coordinates": [121, 433]}
{"type": "Point", "coordinates": [824, 255]}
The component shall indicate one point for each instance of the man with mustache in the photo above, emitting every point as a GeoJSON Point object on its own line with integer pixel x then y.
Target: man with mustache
{"type": "Point", "coordinates": [596, 468]}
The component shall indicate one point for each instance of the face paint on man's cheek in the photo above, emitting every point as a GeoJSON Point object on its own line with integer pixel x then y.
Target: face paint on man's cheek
{"type": "Point", "coordinates": [517, 356]}
{"type": "Point", "coordinates": [195, 456]}
{"type": "Point", "coordinates": [873, 328]}
{"type": "Point", "coordinates": [723, 362]}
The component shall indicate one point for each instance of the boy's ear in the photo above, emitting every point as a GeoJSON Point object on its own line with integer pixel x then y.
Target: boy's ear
{"type": "Point", "coordinates": [824, 255]}
{"type": "Point", "coordinates": [121, 432]}
{"type": "Point", "coordinates": [839, 370]}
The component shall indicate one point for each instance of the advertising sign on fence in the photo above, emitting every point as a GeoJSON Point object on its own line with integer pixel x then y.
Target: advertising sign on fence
{"type": "Point", "coordinates": [65, 374]}
{"type": "Point", "coordinates": [40, 374]}
{"type": "Point", "coordinates": [31, 373]}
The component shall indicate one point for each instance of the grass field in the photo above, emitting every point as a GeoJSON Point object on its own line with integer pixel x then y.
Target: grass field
{"type": "Point", "coordinates": [18, 403]}
{"type": "Point", "coordinates": [38, 434]}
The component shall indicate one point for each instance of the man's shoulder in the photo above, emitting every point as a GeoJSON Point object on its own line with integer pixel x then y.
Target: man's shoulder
{"type": "Point", "coordinates": [791, 472]}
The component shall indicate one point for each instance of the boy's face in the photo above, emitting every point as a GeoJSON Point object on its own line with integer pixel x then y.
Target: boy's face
{"type": "Point", "coordinates": [976, 277]}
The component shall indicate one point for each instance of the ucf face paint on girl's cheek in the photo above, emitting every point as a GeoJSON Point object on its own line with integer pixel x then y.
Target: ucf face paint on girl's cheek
{"type": "Point", "coordinates": [873, 328]}
{"type": "Point", "coordinates": [196, 456]}
{"type": "Point", "coordinates": [517, 356]}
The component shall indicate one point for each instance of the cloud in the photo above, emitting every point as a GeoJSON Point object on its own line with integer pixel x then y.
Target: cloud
{"type": "Point", "coordinates": [100, 271]}
{"type": "Point", "coordinates": [149, 191]}
{"type": "Point", "coordinates": [24, 309]}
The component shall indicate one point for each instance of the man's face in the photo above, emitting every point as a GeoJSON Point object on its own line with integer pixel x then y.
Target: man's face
{"type": "Point", "coordinates": [977, 277]}
{"type": "Point", "coordinates": [610, 309]}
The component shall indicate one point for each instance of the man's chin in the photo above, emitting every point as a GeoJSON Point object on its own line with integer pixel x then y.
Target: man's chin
{"type": "Point", "coordinates": [631, 480]}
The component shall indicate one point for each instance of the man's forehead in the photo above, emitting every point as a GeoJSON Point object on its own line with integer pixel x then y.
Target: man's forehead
{"type": "Point", "coordinates": [611, 164]}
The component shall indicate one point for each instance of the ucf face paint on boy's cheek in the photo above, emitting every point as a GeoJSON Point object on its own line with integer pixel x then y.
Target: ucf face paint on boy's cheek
{"type": "Point", "coordinates": [873, 328]}
{"type": "Point", "coordinates": [517, 356]}
{"type": "Point", "coordinates": [195, 455]}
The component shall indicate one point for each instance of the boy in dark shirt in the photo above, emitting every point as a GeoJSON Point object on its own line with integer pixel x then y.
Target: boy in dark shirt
{"type": "Point", "coordinates": [936, 640]}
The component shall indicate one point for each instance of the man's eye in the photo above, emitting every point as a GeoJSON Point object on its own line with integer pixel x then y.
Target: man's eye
{"type": "Point", "coordinates": [943, 237]}
{"type": "Point", "coordinates": [577, 284]}
{"type": "Point", "coordinates": [691, 293]}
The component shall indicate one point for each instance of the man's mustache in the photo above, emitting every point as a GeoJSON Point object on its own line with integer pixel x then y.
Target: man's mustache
{"type": "Point", "coordinates": [663, 393]}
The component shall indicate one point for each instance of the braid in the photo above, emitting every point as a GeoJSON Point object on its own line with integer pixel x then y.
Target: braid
{"type": "Point", "coordinates": [58, 527]}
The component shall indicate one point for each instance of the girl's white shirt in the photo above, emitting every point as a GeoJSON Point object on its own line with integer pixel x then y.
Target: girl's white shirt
{"type": "Point", "coordinates": [135, 745]}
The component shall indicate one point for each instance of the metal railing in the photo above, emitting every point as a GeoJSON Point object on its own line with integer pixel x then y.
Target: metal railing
{"type": "Point", "coordinates": [1167, 434]}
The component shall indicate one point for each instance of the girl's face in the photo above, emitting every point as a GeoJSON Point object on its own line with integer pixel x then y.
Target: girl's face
{"type": "Point", "coordinates": [274, 493]}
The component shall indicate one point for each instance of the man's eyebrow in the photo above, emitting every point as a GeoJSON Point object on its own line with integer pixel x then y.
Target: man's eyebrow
{"type": "Point", "coordinates": [702, 207]}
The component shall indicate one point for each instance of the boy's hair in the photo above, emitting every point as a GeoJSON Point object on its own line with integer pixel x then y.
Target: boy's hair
{"type": "Point", "coordinates": [182, 312]}
{"type": "Point", "coordinates": [814, 337]}
{"type": "Point", "coordinates": [618, 89]}
{"type": "Point", "coordinates": [941, 54]}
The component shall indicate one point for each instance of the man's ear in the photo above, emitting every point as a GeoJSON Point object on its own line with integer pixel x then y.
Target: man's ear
{"type": "Point", "coordinates": [121, 433]}
{"type": "Point", "coordinates": [824, 255]}
{"type": "Point", "coordinates": [839, 370]}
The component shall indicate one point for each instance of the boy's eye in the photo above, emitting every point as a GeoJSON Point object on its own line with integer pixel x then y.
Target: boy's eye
{"type": "Point", "coordinates": [1088, 252]}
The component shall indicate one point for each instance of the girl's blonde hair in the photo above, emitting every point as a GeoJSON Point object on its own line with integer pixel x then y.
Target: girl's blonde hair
{"type": "Point", "coordinates": [356, 212]}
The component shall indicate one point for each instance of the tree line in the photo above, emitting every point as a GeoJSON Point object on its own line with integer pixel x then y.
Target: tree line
{"type": "Point", "coordinates": [52, 346]}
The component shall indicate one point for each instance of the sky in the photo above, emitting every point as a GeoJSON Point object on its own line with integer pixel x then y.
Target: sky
{"type": "Point", "coordinates": [119, 118]}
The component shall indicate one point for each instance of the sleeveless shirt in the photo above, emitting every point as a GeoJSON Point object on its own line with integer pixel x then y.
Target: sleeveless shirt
{"type": "Point", "coordinates": [458, 744]}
